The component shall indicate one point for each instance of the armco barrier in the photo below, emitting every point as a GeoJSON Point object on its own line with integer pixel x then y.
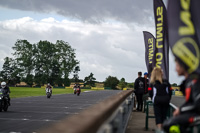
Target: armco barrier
{"type": "Point", "coordinates": [97, 88]}
{"type": "Point", "coordinates": [172, 108]}
{"type": "Point", "coordinates": [109, 116]}
{"type": "Point", "coordinates": [147, 106]}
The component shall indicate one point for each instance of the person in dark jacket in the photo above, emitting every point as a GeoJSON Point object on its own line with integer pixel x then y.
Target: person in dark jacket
{"type": "Point", "coordinates": [160, 93]}
{"type": "Point", "coordinates": [139, 90]}
{"type": "Point", "coordinates": [186, 113]}
{"type": "Point", "coordinates": [6, 91]}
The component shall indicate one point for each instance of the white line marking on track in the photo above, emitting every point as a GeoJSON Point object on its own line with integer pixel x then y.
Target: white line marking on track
{"type": "Point", "coordinates": [27, 119]}
{"type": "Point", "coordinates": [87, 91]}
{"type": "Point", "coordinates": [47, 112]}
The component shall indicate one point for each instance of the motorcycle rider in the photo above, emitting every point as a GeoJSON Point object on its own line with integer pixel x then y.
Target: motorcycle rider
{"type": "Point", "coordinates": [6, 91]}
{"type": "Point", "coordinates": [49, 87]}
{"type": "Point", "coordinates": [79, 87]}
{"type": "Point", "coordinates": [75, 86]}
{"type": "Point", "coordinates": [185, 114]}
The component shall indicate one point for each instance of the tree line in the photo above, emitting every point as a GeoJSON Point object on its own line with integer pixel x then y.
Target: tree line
{"type": "Point", "coordinates": [46, 62]}
{"type": "Point", "coordinates": [110, 81]}
{"type": "Point", "coordinates": [40, 63]}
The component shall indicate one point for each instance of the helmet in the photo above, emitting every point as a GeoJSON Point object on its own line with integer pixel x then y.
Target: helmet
{"type": "Point", "coordinates": [174, 129]}
{"type": "Point", "coordinates": [145, 73]}
{"type": "Point", "coordinates": [3, 84]}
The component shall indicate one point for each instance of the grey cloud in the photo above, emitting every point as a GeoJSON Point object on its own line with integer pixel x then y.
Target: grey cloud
{"type": "Point", "coordinates": [122, 58]}
{"type": "Point", "coordinates": [99, 50]}
{"type": "Point", "coordinates": [94, 11]}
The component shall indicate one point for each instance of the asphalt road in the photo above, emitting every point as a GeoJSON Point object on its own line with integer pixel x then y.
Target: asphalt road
{"type": "Point", "coordinates": [27, 115]}
{"type": "Point", "coordinates": [177, 100]}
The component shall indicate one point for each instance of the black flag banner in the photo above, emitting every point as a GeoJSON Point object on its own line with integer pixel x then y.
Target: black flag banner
{"type": "Point", "coordinates": [182, 34]}
{"type": "Point", "coordinates": [149, 41]}
{"type": "Point", "coordinates": [162, 48]}
{"type": "Point", "coordinates": [195, 10]}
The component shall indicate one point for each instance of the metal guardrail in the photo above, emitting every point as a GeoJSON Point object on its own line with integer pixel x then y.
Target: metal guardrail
{"type": "Point", "coordinates": [109, 116]}
{"type": "Point", "coordinates": [172, 108]}
{"type": "Point", "coordinates": [146, 108]}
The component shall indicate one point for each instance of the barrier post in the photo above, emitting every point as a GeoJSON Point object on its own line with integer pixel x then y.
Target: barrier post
{"type": "Point", "coordinates": [148, 103]}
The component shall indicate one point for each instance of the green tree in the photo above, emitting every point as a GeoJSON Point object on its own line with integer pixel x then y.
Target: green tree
{"type": "Point", "coordinates": [67, 81]}
{"type": "Point", "coordinates": [7, 70]}
{"type": "Point", "coordinates": [24, 57]}
{"type": "Point", "coordinates": [29, 79]}
{"type": "Point", "coordinates": [174, 85]}
{"type": "Point", "coordinates": [122, 83]}
{"type": "Point", "coordinates": [75, 75]}
{"type": "Point", "coordinates": [45, 62]}
{"type": "Point", "coordinates": [90, 80]}
{"type": "Point", "coordinates": [111, 82]}
{"type": "Point", "coordinates": [66, 57]}
{"type": "Point", "coordinates": [130, 85]}
{"type": "Point", "coordinates": [10, 73]}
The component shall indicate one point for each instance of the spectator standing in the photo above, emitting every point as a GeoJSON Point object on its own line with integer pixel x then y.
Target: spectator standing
{"type": "Point", "coordinates": [139, 90]}
{"type": "Point", "coordinates": [160, 93]}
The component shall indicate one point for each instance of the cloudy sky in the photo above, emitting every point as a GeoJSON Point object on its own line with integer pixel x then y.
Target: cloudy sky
{"type": "Point", "coordinates": [107, 34]}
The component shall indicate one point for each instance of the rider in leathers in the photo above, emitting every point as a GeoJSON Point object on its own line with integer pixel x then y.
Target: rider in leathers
{"type": "Point", "coordinates": [6, 91]}
{"type": "Point", "coordinates": [49, 87]}
{"type": "Point", "coordinates": [186, 114]}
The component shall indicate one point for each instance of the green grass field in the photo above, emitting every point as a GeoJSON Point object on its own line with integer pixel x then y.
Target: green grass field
{"type": "Point", "coordinates": [27, 92]}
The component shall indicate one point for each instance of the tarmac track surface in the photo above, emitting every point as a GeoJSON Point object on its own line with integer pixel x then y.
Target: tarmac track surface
{"type": "Point", "coordinates": [177, 100]}
{"type": "Point", "coordinates": [27, 115]}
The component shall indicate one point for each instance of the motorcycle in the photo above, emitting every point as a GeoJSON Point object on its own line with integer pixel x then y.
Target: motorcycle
{"type": "Point", "coordinates": [193, 126]}
{"type": "Point", "coordinates": [3, 101]}
{"type": "Point", "coordinates": [48, 92]}
{"type": "Point", "coordinates": [78, 91]}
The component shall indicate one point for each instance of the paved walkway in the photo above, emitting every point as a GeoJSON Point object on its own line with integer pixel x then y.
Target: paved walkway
{"type": "Point", "coordinates": [136, 123]}
{"type": "Point", "coordinates": [137, 120]}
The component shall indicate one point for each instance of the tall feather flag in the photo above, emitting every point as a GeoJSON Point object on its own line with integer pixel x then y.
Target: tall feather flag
{"type": "Point", "coordinates": [195, 10]}
{"type": "Point", "coordinates": [183, 35]}
{"type": "Point", "coordinates": [149, 41]}
{"type": "Point", "coordinates": [162, 48]}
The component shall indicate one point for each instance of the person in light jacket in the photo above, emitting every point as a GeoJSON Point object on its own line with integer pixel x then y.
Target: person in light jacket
{"type": "Point", "coordinates": [160, 92]}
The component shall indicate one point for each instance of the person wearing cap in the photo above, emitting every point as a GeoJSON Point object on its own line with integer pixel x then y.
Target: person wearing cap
{"type": "Point", "coordinates": [186, 113]}
{"type": "Point", "coordinates": [146, 85]}
{"type": "Point", "coordinates": [139, 91]}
